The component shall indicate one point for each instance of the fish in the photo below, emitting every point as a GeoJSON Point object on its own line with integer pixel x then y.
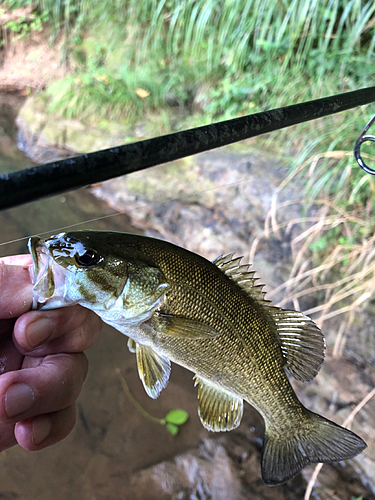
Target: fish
{"type": "Point", "coordinates": [209, 317]}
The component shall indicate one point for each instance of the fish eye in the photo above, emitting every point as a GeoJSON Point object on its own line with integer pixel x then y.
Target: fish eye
{"type": "Point", "coordinates": [88, 259]}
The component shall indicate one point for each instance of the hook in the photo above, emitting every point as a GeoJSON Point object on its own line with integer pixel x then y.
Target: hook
{"type": "Point", "coordinates": [357, 146]}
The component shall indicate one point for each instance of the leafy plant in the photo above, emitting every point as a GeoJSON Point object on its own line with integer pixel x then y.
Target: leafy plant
{"type": "Point", "coordinates": [15, 4]}
{"type": "Point", "coordinates": [172, 421]}
{"type": "Point", "coordinates": [26, 24]}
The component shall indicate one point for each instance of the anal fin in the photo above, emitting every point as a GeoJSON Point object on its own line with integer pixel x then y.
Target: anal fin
{"type": "Point", "coordinates": [153, 368]}
{"type": "Point", "coordinates": [218, 410]}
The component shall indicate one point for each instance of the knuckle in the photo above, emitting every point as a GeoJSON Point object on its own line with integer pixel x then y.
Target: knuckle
{"type": "Point", "coordinates": [85, 335]}
{"type": "Point", "coordinates": [70, 373]}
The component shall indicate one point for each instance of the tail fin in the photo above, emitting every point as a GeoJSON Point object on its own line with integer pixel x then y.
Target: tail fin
{"type": "Point", "coordinates": [316, 440]}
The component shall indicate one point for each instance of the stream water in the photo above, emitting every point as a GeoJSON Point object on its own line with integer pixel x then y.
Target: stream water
{"type": "Point", "coordinates": [114, 453]}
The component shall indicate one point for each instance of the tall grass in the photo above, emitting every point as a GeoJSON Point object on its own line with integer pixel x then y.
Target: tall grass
{"type": "Point", "coordinates": [250, 54]}
{"type": "Point", "coordinates": [226, 58]}
{"type": "Point", "coordinates": [235, 34]}
{"type": "Point", "coordinates": [61, 13]}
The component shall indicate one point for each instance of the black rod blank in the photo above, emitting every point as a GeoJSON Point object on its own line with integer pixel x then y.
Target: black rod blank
{"type": "Point", "coordinates": [72, 173]}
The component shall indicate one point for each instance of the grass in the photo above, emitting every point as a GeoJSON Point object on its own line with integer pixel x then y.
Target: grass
{"type": "Point", "coordinates": [224, 59]}
{"type": "Point", "coordinates": [124, 96]}
{"type": "Point", "coordinates": [334, 249]}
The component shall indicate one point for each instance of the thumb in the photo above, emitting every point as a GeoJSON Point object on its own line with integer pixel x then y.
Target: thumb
{"type": "Point", "coordinates": [15, 290]}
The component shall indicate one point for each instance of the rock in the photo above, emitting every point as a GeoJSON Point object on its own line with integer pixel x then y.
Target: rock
{"type": "Point", "coordinates": [206, 472]}
{"type": "Point", "coordinates": [211, 203]}
{"type": "Point", "coordinates": [221, 468]}
{"type": "Point", "coordinates": [44, 138]}
{"type": "Point", "coordinates": [10, 157]}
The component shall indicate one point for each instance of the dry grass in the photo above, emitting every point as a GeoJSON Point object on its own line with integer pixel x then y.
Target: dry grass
{"type": "Point", "coordinates": [342, 275]}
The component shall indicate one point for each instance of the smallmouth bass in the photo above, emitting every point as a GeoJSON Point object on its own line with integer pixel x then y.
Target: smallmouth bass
{"type": "Point", "coordinates": [209, 317]}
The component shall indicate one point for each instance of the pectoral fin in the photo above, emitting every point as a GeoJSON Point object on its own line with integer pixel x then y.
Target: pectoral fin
{"type": "Point", "coordinates": [218, 409]}
{"type": "Point", "coordinates": [153, 368]}
{"type": "Point", "coordinates": [179, 327]}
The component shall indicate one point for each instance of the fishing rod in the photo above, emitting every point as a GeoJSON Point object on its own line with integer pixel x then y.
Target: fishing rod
{"type": "Point", "coordinates": [64, 175]}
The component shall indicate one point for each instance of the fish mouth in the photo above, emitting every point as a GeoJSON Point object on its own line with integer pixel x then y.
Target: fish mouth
{"type": "Point", "coordinates": [49, 277]}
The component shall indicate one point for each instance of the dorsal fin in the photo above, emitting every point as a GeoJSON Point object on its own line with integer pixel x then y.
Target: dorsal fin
{"type": "Point", "coordinates": [301, 341]}
{"type": "Point", "coordinates": [241, 275]}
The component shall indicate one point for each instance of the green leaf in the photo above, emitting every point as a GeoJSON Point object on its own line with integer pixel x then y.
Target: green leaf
{"type": "Point", "coordinates": [177, 417]}
{"type": "Point", "coordinates": [172, 428]}
{"type": "Point", "coordinates": [319, 244]}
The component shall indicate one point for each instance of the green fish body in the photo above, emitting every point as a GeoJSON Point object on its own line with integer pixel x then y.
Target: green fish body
{"type": "Point", "coordinates": [211, 318]}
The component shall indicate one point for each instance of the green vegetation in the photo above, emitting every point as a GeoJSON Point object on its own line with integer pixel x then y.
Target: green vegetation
{"type": "Point", "coordinates": [203, 60]}
{"type": "Point", "coordinates": [24, 24]}
{"type": "Point", "coordinates": [224, 58]}
{"type": "Point", "coordinates": [172, 421]}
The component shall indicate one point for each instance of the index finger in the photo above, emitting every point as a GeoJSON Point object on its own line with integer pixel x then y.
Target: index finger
{"type": "Point", "coordinates": [68, 329]}
{"type": "Point", "coordinates": [15, 289]}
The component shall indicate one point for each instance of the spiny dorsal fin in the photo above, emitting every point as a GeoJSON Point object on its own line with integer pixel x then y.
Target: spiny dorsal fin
{"type": "Point", "coordinates": [301, 341]}
{"type": "Point", "coordinates": [241, 275]}
{"type": "Point", "coordinates": [218, 409]}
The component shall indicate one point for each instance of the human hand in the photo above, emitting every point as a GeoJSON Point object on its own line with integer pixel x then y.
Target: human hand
{"type": "Point", "coordinates": [42, 364]}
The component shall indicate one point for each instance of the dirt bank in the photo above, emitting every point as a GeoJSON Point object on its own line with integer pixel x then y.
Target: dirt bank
{"type": "Point", "coordinates": [28, 63]}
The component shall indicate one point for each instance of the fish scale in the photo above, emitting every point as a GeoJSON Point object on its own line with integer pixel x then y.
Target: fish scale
{"type": "Point", "coordinates": [211, 318]}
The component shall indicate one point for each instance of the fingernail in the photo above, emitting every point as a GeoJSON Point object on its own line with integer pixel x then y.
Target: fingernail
{"type": "Point", "coordinates": [38, 332]}
{"type": "Point", "coordinates": [18, 399]}
{"type": "Point", "coordinates": [41, 429]}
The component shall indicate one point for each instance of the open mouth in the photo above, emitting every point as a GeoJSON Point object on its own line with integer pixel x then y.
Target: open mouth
{"type": "Point", "coordinates": [49, 277]}
{"type": "Point", "coordinates": [44, 283]}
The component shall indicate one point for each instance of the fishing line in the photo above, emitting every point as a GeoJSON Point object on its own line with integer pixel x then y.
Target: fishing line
{"type": "Point", "coordinates": [123, 212]}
